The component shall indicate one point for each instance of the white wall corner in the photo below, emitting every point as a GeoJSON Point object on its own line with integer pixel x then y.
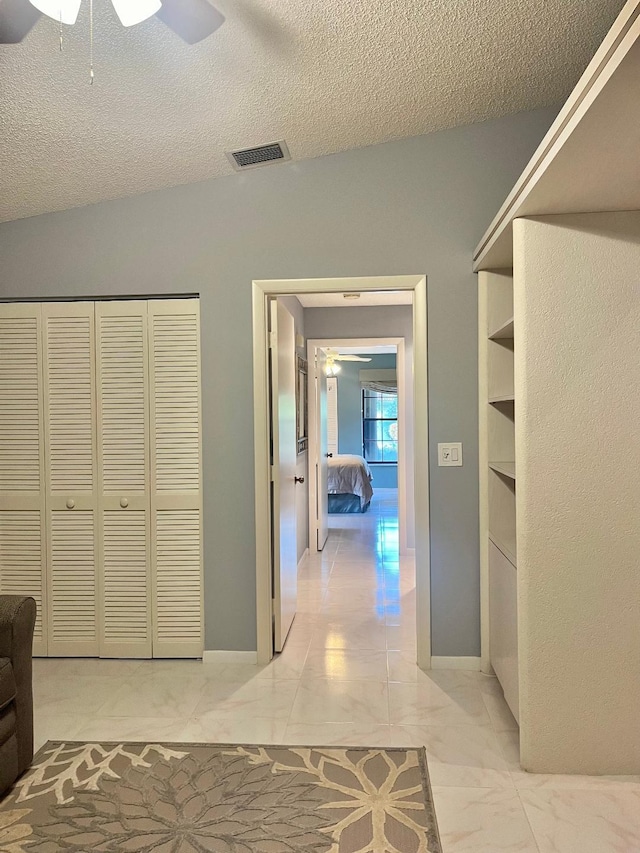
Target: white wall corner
{"type": "Point", "coordinates": [226, 656]}
{"type": "Point", "coordinates": [469, 663]}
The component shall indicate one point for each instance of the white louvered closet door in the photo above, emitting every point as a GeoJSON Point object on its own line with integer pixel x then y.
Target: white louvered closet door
{"type": "Point", "coordinates": [123, 479]}
{"type": "Point", "coordinates": [70, 461]}
{"type": "Point", "coordinates": [176, 487]}
{"type": "Point", "coordinates": [22, 492]}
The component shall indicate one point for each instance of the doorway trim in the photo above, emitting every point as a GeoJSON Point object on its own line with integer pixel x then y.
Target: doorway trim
{"type": "Point", "coordinates": [365, 344]}
{"type": "Point", "coordinates": [262, 291]}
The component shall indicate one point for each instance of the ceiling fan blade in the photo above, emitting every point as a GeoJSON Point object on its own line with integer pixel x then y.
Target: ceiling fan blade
{"type": "Point", "coordinates": [131, 14]}
{"type": "Point", "coordinates": [350, 358]}
{"type": "Point", "coordinates": [192, 20]}
{"type": "Point", "coordinates": [17, 17]}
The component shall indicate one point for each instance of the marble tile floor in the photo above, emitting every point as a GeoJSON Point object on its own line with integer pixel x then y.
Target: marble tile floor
{"type": "Point", "coordinates": [348, 677]}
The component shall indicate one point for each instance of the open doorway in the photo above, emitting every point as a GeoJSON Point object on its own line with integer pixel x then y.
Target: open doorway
{"type": "Point", "coordinates": [267, 473]}
{"type": "Point", "coordinates": [360, 433]}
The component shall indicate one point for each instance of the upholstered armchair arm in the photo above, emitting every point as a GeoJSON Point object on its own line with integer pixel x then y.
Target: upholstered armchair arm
{"type": "Point", "coordinates": [17, 620]}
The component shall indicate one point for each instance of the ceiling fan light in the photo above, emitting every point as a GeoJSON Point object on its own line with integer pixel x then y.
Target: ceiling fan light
{"type": "Point", "coordinates": [133, 12]}
{"type": "Point", "coordinates": [60, 10]}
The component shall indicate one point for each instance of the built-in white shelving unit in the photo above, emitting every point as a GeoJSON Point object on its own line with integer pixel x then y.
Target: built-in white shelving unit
{"type": "Point", "coordinates": [498, 478]}
{"type": "Point", "coordinates": [503, 332]}
{"type": "Point", "coordinates": [506, 468]}
{"type": "Point", "coordinates": [559, 336]}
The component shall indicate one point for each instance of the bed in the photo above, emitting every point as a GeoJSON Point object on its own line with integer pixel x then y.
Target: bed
{"type": "Point", "coordinates": [349, 484]}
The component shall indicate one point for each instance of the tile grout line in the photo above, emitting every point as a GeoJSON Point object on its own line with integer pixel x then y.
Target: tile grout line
{"type": "Point", "coordinates": [526, 815]}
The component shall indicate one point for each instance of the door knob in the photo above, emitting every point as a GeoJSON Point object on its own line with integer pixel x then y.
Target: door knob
{"type": "Point", "coordinates": [124, 503]}
{"type": "Point", "coordinates": [329, 455]}
{"type": "Point", "coordinates": [70, 503]}
{"type": "Point", "coordinates": [298, 479]}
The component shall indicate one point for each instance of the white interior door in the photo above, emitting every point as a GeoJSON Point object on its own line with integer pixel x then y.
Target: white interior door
{"type": "Point", "coordinates": [70, 463]}
{"type": "Point", "coordinates": [22, 489]}
{"type": "Point", "coordinates": [123, 479]}
{"type": "Point", "coordinates": [284, 443]}
{"type": "Point", "coordinates": [322, 494]}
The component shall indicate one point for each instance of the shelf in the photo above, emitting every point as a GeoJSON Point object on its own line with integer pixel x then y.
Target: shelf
{"type": "Point", "coordinates": [502, 398]}
{"type": "Point", "coordinates": [508, 469]}
{"type": "Point", "coordinates": [572, 170]}
{"type": "Point", "coordinates": [504, 332]}
{"type": "Point", "coordinates": [508, 549]}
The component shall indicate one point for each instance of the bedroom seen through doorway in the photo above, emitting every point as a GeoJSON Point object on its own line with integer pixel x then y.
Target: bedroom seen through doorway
{"type": "Point", "coordinates": [357, 584]}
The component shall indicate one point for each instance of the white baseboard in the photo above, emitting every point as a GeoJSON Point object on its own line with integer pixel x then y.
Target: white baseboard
{"type": "Point", "coordinates": [224, 656]}
{"type": "Point", "coordinates": [304, 557]}
{"type": "Point", "coordinates": [469, 663]}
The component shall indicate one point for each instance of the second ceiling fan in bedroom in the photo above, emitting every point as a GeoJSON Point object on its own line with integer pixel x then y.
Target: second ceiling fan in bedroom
{"type": "Point", "coordinates": [333, 356]}
{"type": "Point", "coordinates": [191, 20]}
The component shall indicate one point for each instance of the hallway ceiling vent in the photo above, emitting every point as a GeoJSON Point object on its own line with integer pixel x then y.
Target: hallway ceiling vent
{"type": "Point", "coordinates": [251, 158]}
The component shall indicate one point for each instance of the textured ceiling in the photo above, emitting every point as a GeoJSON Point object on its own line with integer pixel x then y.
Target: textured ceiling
{"type": "Point", "coordinates": [325, 75]}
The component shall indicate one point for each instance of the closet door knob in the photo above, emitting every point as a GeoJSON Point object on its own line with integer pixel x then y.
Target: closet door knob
{"type": "Point", "coordinates": [329, 455]}
{"type": "Point", "coordinates": [70, 503]}
{"type": "Point", "coordinates": [124, 503]}
{"type": "Point", "coordinates": [298, 479]}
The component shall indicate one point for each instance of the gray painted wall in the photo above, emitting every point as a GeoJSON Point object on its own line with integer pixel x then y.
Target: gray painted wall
{"type": "Point", "coordinates": [406, 207]}
{"type": "Point", "coordinates": [350, 415]}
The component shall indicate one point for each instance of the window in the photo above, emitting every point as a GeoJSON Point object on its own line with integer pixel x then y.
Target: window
{"type": "Point", "coordinates": [379, 425]}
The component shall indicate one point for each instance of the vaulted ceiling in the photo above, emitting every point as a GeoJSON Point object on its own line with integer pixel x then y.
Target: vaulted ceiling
{"type": "Point", "coordinates": [325, 75]}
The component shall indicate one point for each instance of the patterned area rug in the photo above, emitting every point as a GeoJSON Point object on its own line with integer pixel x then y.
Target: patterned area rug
{"type": "Point", "coordinates": [198, 798]}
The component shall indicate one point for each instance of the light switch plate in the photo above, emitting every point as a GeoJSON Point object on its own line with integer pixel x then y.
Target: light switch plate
{"type": "Point", "coordinates": [450, 454]}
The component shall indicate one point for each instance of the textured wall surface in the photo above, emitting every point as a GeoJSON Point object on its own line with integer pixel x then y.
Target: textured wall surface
{"type": "Point", "coordinates": [326, 76]}
{"type": "Point", "coordinates": [577, 315]}
{"type": "Point", "coordinates": [408, 207]}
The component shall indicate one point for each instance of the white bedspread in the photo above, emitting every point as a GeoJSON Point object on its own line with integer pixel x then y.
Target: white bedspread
{"type": "Point", "coordinates": [350, 475]}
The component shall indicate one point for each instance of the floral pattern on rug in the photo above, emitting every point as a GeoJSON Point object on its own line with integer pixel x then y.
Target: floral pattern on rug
{"type": "Point", "coordinates": [377, 791]}
{"type": "Point", "coordinates": [191, 798]}
{"type": "Point", "coordinates": [14, 834]}
{"type": "Point", "coordinates": [65, 768]}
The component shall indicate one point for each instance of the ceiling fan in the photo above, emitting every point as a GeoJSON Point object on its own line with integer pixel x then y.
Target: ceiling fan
{"type": "Point", "coordinates": [191, 20]}
{"type": "Point", "coordinates": [332, 368]}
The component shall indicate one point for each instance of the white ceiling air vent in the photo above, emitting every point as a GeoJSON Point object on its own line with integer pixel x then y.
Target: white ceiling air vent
{"type": "Point", "coordinates": [262, 155]}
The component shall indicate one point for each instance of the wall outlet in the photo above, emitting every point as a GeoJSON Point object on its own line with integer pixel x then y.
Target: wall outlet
{"type": "Point", "coordinates": [450, 454]}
